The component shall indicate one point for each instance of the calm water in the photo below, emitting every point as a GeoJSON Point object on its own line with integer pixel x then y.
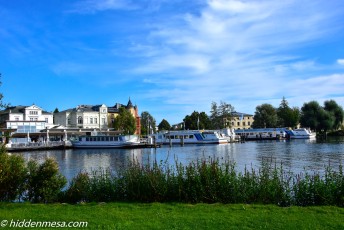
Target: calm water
{"type": "Point", "coordinates": [296, 155]}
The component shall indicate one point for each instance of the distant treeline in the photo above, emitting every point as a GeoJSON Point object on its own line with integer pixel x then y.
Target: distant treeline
{"type": "Point", "coordinates": [328, 117]}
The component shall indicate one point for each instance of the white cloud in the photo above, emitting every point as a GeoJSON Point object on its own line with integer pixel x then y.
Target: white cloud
{"type": "Point", "coordinates": [340, 61]}
{"type": "Point", "coordinates": [236, 49]}
{"type": "Point", "coordinates": [92, 6]}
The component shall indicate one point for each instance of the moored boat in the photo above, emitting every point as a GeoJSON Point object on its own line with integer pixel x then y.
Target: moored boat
{"type": "Point", "coordinates": [103, 141]}
{"type": "Point", "coordinates": [188, 137]}
{"type": "Point", "coordinates": [301, 133]}
{"type": "Point", "coordinates": [261, 134]}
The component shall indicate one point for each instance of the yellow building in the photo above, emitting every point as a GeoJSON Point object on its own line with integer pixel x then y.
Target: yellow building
{"type": "Point", "coordinates": [241, 120]}
{"type": "Point", "coordinates": [113, 113]}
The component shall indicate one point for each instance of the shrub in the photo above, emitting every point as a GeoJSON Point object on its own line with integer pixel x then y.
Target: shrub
{"type": "Point", "coordinates": [44, 182]}
{"type": "Point", "coordinates": [13, 174]}
{"type": "Point", "coordinates": [79, 189]}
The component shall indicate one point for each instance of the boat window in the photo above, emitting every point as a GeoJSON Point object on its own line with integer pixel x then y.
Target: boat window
{"type": "Point", "coordinates": [115, 138]}
{"type": "Point", "coordinates": [87, 139]}
{"type": "Point", "coordinates": [80, 138]}
{"type": "Point", "coordinates": [172, 137]}
{"type": "Point", "coordinates": [191, 136]}
{"type": "Point", "coordinates": [103, 138]}
{"type": "Point", "coordinates": [107, 138]}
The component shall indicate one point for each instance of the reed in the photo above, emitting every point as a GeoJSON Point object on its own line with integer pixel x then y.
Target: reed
{"type": "Point", "coordinates": [209, 181]}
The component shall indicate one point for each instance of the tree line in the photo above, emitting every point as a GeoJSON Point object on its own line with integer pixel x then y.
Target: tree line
{"type": "Point", "coordinates": [328, 117]}
{"type": "Point", "coordinates": [312, 115]}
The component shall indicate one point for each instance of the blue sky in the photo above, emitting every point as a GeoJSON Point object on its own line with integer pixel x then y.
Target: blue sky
{"type": "Point", "coordinates": [171, 57]}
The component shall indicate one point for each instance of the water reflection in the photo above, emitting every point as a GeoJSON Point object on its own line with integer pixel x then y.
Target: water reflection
{"type": "Point", "coordinates": [296, 155]}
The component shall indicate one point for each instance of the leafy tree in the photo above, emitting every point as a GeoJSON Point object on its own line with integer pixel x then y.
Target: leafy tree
{"type": "Point", "coordinates": [265, 116]}
{"type": "Point", "coordinates": [286, 116]}
{"type": "Point", "coordinates": [125, 122]}
{"type": "Point", "coordinates": [309, 115]}
{"type": "Point", "coordinates": [219, 115]}
{"type": "Point", "coordinates": [2, 105]}
{"type": "Point", "coordinates": [56, 110]}
{"type": "Point", "coordinates": [197, 120]}
{"type": "Point", "coordinates": [320, 118]}
{"type": "Point", "coordinates": [147, 120]}
{"type": "Point", "coordinates": [164, 125]}
{"type": "Point", "coordinates": [337, 111]}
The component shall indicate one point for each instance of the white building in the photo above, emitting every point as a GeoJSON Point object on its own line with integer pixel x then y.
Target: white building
{"type": "Point", "coordinates": [26, 119]}
{"type": "Point", "coordinates": [83, 117]}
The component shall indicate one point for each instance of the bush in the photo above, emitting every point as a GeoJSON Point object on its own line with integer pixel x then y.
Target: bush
{"type": "Point", "coordinates": [13, 174]}
{"type": "Point", "coordinates": [45, 181]}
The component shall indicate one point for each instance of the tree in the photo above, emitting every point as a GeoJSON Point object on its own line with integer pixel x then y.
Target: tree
{"type": "Point", "coordinates": [286, 116]}
{"type": "Point", "coordinates": [320, 118]}
{"type": "Point", "coordinates": [337, 111]}
{"type": "Point", "coordinates": [147, 122]}
{"type": "Point", "coordinates": [125, 122]}
{"type": "Point", "coordinates": [164, 125]}
{"type": "Point", "coordinates": [309, 115]}
{"type": "Point", "coordinates": [265, 116]}
{"type": "Point", "coordinates": [2, 105]}
{"type": "Point", "coordinates": [197, 121]}
{"type": "Point", "coordinates": [56, 110]}
{"type": "Point", "coordinates": [219, 115]}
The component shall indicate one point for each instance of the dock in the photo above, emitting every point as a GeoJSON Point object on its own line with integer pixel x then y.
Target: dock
{"type": "Point", "coordinates": [21, 147]}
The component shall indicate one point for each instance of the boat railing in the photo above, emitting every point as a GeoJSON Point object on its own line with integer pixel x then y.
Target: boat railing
{"type": "Point", "coordinates": [37, 144]}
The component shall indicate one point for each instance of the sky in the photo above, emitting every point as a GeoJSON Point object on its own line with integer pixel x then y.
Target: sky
{"type": "Point", "coordinates": [171, 57]}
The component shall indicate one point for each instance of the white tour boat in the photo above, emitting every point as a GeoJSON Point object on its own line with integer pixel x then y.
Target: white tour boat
{"type": "Point", "coordinates": [188, 137]}
{"type": "Point", "coordinates": [261, 134]}
{"type": "Point", "coordinates": [301, 133]}
{"type": "Point", "coordinates": [103, 141]}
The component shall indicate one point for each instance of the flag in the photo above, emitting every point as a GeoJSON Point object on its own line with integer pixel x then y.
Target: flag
{"type": "Point", "coordinates": [242, 117]}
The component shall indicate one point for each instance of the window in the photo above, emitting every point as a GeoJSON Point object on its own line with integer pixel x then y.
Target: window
{"type": "Point", "coordinates": [31, 118]}
{"type": "Point", "coordinates": [68, 122]}
{"type": "Point", "coordinates": [46, 120]}
{"type": "Point", "coordinates": [91, 120]}
{"type": "Point", "coordinates": [248, 123]}
{"type": "Point", "coordinates": [103, 121]}
{"type": "Point", "coordinates": [243, 123]}
{"type": "Point", "coordinates": [232, 123]}
{"type": "Point", "coordinates": [80, 120]}
{"type": "Point", "coordinates": [95, 121]}
{"type": "Point", "coordinates": [238, 123]}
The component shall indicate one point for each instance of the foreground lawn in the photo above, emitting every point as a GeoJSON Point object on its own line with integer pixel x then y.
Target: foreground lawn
{"type": "Point", "coordinates": [177, 216]}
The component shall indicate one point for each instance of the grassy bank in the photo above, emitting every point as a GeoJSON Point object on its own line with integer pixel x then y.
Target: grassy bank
{"type": "Point", "coordinates": [179, 216]}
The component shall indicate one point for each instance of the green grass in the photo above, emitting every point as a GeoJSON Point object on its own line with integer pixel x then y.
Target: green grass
{"type": "Point", "coordinates": [179, 216]}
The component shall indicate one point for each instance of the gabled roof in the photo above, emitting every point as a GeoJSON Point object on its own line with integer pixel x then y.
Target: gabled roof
{"type": "Point", "coordinates": [239, 114]}
{"type": "Point", "coordinates": [83, 108]}
{"type": "Point", "coordinates": [20, 109]}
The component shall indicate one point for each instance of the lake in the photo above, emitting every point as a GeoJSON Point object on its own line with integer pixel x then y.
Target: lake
{"type": "Point", "coordinates": [295, 155]}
